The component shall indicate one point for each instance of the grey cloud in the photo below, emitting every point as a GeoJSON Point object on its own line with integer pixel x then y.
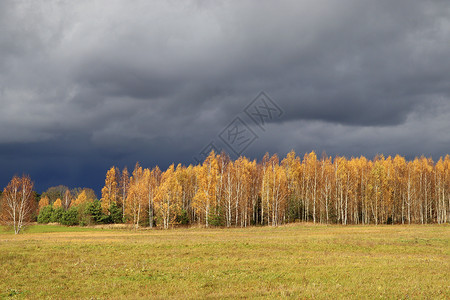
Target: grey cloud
{"type": "Point", "coordinates": [159, 79]}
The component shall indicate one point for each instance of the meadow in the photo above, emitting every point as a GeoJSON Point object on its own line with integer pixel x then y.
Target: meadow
{"type": "Point", "coordinates": [292, 261]}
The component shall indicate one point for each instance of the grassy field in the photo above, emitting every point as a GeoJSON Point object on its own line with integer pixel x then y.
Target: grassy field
{"type": "Point", "coordinates": [294, 261]}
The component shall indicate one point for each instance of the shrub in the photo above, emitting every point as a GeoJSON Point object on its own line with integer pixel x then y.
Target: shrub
{"type": "Point", "coordinates": [94, 209]}
{"type": "Point", "coordinates": [84, 219]}
{"type": "Point", "coordinates": [45, 214]}
{"type": "Point", "coordinates": [216, 219]}
{"type": "Point", "coordinates": [57, 215]}
{"type": "Point", "coordinates": [70, 217]}
{"type": "Point", "coordinates": [115, 213]}
{"type": "Point", "coordinates": [183, 218]}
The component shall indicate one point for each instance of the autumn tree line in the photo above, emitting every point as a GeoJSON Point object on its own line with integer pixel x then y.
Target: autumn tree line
{"type": "Point", "coordinates": [222, 192]}
{"type": "Point", "coordinates": [243, 192]}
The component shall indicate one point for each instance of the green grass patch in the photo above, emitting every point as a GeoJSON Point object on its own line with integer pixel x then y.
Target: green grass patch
{"type": "Point", "coordinates": [294, 261]}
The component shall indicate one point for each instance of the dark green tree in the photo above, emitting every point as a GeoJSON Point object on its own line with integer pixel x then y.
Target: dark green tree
{"type": "Point", "coordinates": [57, 215]}
{"type": "Point", "coordinates": [183, 218]}
{"type": "Point", "coordinates": [45, 215]}
{"type": "Point", "coordinates": [115, 213]}
{"type": "Point", "coordinates": [94, 209]}
{"type": "Point", "coordinates": [70, 217]}
{"type": "Point", "coordinates": [216, 219]}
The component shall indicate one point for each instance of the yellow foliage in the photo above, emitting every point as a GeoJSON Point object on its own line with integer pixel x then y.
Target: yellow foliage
{"type": "Point", "coordinates": [326, 190]}
{"type": "Point", "coordinates": [81, 199]}
{"type": "Point", "coordinates": [167, 200]}
{"type": "Point", "coordinates": [57, 203]}
{"type": "Point", "coordinates": [43, 202]}
{"type": "Point", "coordinates": [110, 191]}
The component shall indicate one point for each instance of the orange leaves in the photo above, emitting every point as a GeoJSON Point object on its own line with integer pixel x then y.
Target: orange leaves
{"type": "Point", "coordinates": [82, 198]}
{"type": "Point", "coordinates": [168, 197]}
{"type": "Point", "coordinates": [207, 180]}
{"type": "Point", "coordinates": [325, 190]}
{"type": "Point", "coordinates": [43, 202]}
{"type": "Point", "coordinates": [274, 191]}
{"type": "Point", "coordinates": [57, 203]}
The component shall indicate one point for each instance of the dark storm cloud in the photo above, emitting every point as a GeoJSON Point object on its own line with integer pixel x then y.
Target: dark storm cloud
{"type": "Point", "coordinates": [86, 85]}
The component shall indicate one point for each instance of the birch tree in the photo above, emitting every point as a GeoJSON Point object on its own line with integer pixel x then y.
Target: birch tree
{"type": "Point", "coordinates": [18, 202]}
{"type": "Point", "coordinates": [168, 196]}
{"type": "Point", "coordinates": [110, 191]}
{"type": "Point", "coordinates": [205, 197]}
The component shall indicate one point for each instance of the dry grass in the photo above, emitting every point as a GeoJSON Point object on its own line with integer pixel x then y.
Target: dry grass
{"type": "Point", "coordinates": [294, 261]}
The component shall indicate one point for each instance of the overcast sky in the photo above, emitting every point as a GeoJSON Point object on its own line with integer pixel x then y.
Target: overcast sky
{"type": "Point", "coordinates": [85, 85]}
